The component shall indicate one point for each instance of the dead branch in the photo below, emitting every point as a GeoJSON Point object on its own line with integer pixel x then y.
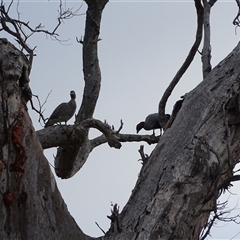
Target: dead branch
{"type": "Point", "coordinates": [40, 111]}
{"type": "Point", "coordinates": [105, 129]}
{"type": "Point", "coordinates": [144, 157]}
{"type": "Point", "coordinates": [120, 128]}
{"type": "Point", "coordinates": [206, 52]}
{"type": "Point", "coordinates": [220, 215]}
{"type": "Point", "coordinates": [236, 20]}
{"type": "Point", "coordinates": [185, 65]}
{"type": "Point", "coordinates": [115, 225]}
{"type": "Point", "coordinates": [150, 139]}
{"type": "Point", "coordinates": [18, 28]}
{"type": "Point", "coordinates": [100, 228]}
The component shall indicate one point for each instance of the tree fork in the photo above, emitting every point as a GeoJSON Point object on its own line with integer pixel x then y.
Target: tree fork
{"type": "Point", "coordinates": [68, 156]}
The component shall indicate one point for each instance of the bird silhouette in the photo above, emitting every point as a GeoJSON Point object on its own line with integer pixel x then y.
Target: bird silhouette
{"type": "Point", "coordinates": [63, 112]}
{"type": "Point", "coordinates": [151, 123]}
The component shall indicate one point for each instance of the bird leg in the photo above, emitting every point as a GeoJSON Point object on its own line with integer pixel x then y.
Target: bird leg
{"type": "Point", "coordinates": [153, 132]}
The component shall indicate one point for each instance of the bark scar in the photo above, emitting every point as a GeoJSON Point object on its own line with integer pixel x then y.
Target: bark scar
{"type": "Point", "coordinates": [17, 136]}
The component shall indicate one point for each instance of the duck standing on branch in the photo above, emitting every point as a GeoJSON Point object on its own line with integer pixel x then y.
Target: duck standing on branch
{"type": "Point", "coordinates": [151, 123]}
{"type": "Point", "coordinates": [63, 112]}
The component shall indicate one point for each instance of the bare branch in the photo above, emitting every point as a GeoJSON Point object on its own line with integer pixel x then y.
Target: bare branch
{"type": "Point", "coordinates": [185, 65]}
{"type": "Point", "coordinates": [236, 20]}
{"type": "Point", "coordinates": [115, 225]}
{"type": "Point", "coordinates": [120, 128]}
{"type": "Point", "coordinates": [150, 139]}
{"type": "Point", "coordinates": [40, 112]}
{"type": "Point", "coordinates": [21, 27]}
{"type": "Point", "coordinates": [221, 215]}
{"type": "Point", "coordinates": [144, 157]}
{"type": "Point", "coordinates": [100, 228]}
{"type": "Point", "coordinates": [206, 52]}
{"type": "Point", "coordinates": [105, 129]}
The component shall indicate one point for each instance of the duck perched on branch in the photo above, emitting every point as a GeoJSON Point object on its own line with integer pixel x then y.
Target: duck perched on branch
{"type": "Point", "coordinates": [63, 112]}
{"type": "Point", "coordinates": [151, 123]}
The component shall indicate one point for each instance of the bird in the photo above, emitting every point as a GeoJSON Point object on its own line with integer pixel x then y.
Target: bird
{"type": "Point", "coordinates": [176, 108]}
{"type": "Point", "coordinates": [151, 123]}
{"type": "Point", "coordinates": [63, 112]}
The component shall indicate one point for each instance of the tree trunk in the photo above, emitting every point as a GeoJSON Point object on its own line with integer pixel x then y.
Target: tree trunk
{"type": "Point", "coordinates": [193, 161]}
{"type": "Point", "coordinates": [31, 206]}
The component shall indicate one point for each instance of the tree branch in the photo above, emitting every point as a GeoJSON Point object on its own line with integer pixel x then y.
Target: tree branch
{"type": "Point", "coordinates": [185, 65]}
{"type": "Point", "coordinates": [60, 135]}
{"type": "Point", "coordinates": [206, 52]}
{"type": "Point", "coordinates": [92, 78]}
{"type": "Point", "coordinates": [20, 27]}
{"type": "Point", "coordinates": [236, 20]}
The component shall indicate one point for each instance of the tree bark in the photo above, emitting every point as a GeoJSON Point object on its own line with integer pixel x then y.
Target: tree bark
{"type": "Point", "coordinates": [31, 205]}
{"type": "Point", "coordinates": [194, 159]}
{"type": "Point", "coordinates": [178, 184]}
{"type": "Point", "coordinates": [70, 155]}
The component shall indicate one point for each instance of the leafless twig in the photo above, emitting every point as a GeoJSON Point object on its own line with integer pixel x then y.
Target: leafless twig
{"type": "Point", "coordinates": [22, 31]}
{"type": "Point", "coordinates": [40, 112]}
{"type": "Point", "coordinates": [100, 228]}
{"type": "Point", "coordinates": [236, 20]}
{"type": "Point", "coordinates": [220, 215]}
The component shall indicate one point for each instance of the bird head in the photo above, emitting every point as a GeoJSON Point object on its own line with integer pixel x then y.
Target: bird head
{"type": "Point", "coordinates": [73, 94]}
{"type": "Point", "coordinates": [167, 116]}
{"type": "Point", "coordinates": [139, 126]}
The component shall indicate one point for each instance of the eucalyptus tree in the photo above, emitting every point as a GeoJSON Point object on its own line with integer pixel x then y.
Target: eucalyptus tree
{"type": "Point", "coordinates": [179, 183]}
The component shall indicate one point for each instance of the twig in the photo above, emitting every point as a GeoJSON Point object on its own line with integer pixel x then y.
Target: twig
{"type": "Point", "coordinates": [100, 228]}
{"type": "Point", "coordinates": [144, 157]}
{"type": "Point", "coordinates": [236, 20]}
{"type": "Point", "coordinates": [17, 27]}
{"type": "Point", "coordinates": [40, 112]}
{"type": "Point", "coordinates": [120, 128]}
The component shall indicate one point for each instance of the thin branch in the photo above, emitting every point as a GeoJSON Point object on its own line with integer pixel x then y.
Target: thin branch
{"type": "Point", "coordinates": [236, 20]}
{"type": "Point", "coordinates": [120, 128]}
{"type": "Point", "coordinates": [219, 215]}
{"type": "Point", "coordinates": [144, 157]}
{"type": "Point", "coordinates": [20, 27]}
{"type": "Point", "coordinates": [150, 139]}
{"type": "Point", "coordinates": [185, 65]}
{"type": "Point", "coordinates": [40, 112]}
{"type": "Point", "coordinates": [100, 228]}
{"type": "Point", "coordinates": [206, 52]}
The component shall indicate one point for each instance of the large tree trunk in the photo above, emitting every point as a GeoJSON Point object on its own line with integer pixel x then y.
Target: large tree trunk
{"type": "Point", "coordinates": [31, 206]}
{"type": "Point", "coordinates": [194, 159]}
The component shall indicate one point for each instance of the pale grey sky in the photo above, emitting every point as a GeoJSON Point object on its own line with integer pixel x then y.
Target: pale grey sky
{"type": "Point", "coordinates": [143, 45]}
